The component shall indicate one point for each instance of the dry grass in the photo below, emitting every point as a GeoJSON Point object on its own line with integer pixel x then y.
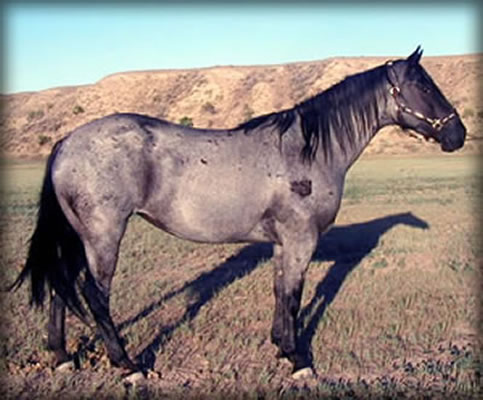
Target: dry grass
{"type": "Point", "coordinates": [389, 308]}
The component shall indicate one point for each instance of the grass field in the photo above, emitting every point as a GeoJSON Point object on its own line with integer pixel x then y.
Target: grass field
{"type": "Point", "coordinates": [390, 307]}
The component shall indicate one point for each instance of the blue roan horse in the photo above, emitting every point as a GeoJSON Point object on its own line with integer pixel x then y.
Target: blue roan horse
{"type": "Point", "coordinates": [277, 178]}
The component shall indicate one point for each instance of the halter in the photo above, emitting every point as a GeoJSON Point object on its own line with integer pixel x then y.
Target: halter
{"type": "Point", "coordinates": [436, 123]}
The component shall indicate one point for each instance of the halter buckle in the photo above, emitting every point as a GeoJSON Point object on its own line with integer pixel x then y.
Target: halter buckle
{"type": "Point", "coordinates": [394, 90]}
{"type": "Point", "coordinates": [437, 124]}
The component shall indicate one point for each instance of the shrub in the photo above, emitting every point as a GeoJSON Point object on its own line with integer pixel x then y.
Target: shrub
{"type": "Point", "coordinates": [44, 139]}
{"type": "Point", "coordinates": [77, 109]}
{"type": "Point", "coordinates": [36, 114]}
{"type": "Point", "coordinates": [186, 121]}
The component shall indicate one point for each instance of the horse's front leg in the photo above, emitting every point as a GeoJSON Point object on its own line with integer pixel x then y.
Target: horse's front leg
{"type": "Point", "coordinates": [277, 324]}
{"type": "Point", "coordinates": [289, 277]}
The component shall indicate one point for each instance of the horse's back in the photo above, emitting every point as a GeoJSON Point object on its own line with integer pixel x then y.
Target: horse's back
{"type": "Point", "coordinates": [195, 184]}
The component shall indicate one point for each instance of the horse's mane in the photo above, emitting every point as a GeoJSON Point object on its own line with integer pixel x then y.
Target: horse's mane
{"type": "Point", "coordinates": [347, 109]}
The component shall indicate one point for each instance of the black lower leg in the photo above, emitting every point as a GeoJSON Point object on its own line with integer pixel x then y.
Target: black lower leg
{"type": "Point", "coordinates": [277, 325]}
{"type": "Point", "coordinates": [290, 348]}
{"type": "Point", "coordinates": [290, 307]}
{"type": "Point", "coordinates": [298, 248]}
{"type": "Point", "coordinates": [98, 303]}
{"type": "Point", "coordinates": [56, 329]}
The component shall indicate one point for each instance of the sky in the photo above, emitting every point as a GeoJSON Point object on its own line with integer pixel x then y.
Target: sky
{"type": "Point", "coordinates": [48, 45]}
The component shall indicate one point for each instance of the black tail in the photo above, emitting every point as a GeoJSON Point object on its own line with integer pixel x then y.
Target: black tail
{"type": "Point", "coordinates": [56, 255]}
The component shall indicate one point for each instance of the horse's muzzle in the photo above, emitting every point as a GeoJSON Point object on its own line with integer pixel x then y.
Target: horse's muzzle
{"type": "Point", "coordinates": [453, 135]}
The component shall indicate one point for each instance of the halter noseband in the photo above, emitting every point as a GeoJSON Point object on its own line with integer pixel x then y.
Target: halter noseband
{"type": "Point", "coordinates": [436, 123]}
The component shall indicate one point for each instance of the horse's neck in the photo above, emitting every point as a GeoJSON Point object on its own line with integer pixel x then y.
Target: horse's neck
{"type": "Point", "coordinates": [361, 137]}
{"type": "Point", "coordinates": [360, 143]}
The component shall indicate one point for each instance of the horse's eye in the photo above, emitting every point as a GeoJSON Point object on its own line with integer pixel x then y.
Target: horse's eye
{"type": "Point", "coordinates": [423, 88]}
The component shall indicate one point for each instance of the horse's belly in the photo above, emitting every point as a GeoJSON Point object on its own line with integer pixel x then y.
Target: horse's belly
{"type": "Point", "coordinates": [209, 226]}
{"type": "Point", "coordinates": [213, 214]}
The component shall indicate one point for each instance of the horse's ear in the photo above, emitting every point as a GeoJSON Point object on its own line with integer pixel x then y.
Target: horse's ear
{"type": "Point", "coordinates": [414, 58]}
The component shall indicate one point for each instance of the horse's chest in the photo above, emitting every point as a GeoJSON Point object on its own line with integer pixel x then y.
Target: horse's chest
{"type": "Point", "coordinates": [311, 199]}
{"type": "Point", "coordinates": [324, 203]}
{"type": "Point", "coordinates": [328, 206]}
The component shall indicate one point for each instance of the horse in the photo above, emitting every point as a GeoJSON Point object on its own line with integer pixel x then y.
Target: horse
{"type": "Point", "coordinates": [277, 178]}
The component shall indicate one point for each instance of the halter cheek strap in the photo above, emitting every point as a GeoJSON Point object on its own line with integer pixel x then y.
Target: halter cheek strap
{"type": "Point", "coordinates": [436, 123]}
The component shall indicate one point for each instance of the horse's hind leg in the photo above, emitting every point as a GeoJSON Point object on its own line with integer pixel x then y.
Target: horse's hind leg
{"type": "Point", "coordinates": [97, 297]}
{"type": "Point", "coordinates": [56, 329]}
{"type": "Point", "coordinates": [102, 248]}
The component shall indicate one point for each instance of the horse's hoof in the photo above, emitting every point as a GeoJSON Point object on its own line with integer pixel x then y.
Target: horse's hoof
{"type": "Point", "coordinates": [134, 378]}
{"type": "Point", "coordinates": [304, 373]}
{"type": "Point", "coordinates": [286, 362]}
{"type": "Point", "coordinates": [66, 366]}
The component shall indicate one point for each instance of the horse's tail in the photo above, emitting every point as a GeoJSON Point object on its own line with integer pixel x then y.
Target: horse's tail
{"type": "Point", "coordinates": [56, 255]}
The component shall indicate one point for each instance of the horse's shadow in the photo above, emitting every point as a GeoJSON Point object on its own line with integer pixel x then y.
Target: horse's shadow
{"type": "Point", "coordinates": [345, 245]}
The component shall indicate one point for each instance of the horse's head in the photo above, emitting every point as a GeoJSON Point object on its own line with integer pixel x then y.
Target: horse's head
{"type": "Point", "coordinates": [418, 104]}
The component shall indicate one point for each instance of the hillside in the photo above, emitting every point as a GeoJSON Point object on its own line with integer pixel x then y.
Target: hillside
{"type": "Point", "coordinates": [219, 97]}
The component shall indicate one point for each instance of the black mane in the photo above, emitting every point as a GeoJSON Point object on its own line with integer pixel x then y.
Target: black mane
{"type": "Point", "coordinates": [337, 114]}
